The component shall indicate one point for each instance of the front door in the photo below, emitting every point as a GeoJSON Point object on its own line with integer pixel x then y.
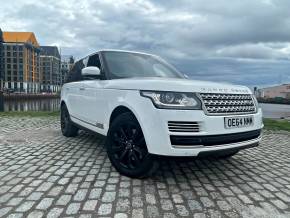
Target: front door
{"type": "Point", "coordinates": [93, 101]}
{"type": "Point", "coordinates": [74, 90]}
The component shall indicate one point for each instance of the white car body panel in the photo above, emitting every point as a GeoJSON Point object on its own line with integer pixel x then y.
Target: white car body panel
{"type": "Point", "coordinates": [178, 85]}
{"type": "Point", "coordinates": [91, 103]}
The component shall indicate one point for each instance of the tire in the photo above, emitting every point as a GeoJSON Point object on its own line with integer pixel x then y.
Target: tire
{"type": "Point", "coordinates": [127, 149]}
{"type": "Point", "coordinates": [68, 129]}
{"type": "Point", "coordinates": [227, 155]}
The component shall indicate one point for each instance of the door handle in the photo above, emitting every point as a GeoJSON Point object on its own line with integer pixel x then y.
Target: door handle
{"type": "Point", "coordinates": [82, 89]}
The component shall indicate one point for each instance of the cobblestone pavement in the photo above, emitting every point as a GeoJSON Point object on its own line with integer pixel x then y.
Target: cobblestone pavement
{"type": "Point", "coordinates": [43, 174]}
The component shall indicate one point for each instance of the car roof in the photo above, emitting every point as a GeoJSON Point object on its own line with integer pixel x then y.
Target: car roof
{"type": "Point", "coordinates": [116, 50]}
{"type": "Point", "coordinates": [129, 51]}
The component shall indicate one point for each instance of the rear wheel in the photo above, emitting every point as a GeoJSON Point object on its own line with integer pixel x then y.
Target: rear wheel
{"type": "Point", "coordinates": [126, 148]}
{"type": "Point", "coordinates": [68, 129]}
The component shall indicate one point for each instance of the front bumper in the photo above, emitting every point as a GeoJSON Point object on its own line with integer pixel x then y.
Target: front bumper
{"type": "Point", "coordinates": [158, 137]}
{"type": "Point", "coordinates": [178, 141]}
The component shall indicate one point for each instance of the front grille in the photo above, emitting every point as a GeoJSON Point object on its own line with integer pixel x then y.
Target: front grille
{"type": "Point", "coordinates": [221, 104]}
{"type": "Point", "coordinates": [211, 140]}
{"type": "Point", "coordinates": [183, 126]}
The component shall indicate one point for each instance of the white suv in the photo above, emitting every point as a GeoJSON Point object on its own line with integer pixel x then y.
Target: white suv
{"type": "Point", "coordinates": [147, 108]}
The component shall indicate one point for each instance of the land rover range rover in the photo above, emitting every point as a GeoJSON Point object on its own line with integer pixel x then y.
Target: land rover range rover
{"type": "Point", "coordinates": [146, 107]}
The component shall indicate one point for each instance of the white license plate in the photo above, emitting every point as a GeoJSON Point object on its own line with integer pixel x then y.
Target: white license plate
{"type": "Point", "coordinates": [238, 122]}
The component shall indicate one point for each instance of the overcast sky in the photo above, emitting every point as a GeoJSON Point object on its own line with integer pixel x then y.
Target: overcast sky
{"type": "Point", "coordinates": [239, 41]}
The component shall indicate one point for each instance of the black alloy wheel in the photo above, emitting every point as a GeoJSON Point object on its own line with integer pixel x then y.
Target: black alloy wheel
{"type": "Point", "coordinates": [127, 148]}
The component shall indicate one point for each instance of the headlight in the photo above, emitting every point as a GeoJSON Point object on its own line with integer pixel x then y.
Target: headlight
{"type": "Point", "coordinates": [256, 101]}
{"type": "Point", "coordinates": [173, 100]}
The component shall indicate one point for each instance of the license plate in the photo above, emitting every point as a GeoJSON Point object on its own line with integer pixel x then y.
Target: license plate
{"type": "Point", "coordinates": [238, 122]}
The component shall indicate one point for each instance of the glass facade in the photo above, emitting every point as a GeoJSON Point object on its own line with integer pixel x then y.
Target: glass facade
{"type": "Point", "coordinates": [28, 67]}
{"type": "Point", "coordinates": [1, 60]}
{"type": "Point", "coordinates": [21, 67]}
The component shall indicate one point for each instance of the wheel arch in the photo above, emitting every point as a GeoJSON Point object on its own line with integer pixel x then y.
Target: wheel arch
{"type": "Point", "coordinates": [62, 102]}
{"type": "Point", "coordinates": [120, 110]}
{"type": "Point", "coordinates": [123, 108]}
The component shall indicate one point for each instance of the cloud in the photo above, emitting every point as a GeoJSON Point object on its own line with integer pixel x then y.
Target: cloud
{"type": "Point", "coordinates": [217, 34]}
{"type": "Point", "coordinates": [255, 51]}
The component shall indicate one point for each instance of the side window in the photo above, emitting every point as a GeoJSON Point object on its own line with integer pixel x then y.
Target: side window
{"type": "Point", "coordinates": [75, 73]}
{"type": "Point", "coordinates": [85, 61]}
{"type": "Point", "coordinates": [94, 61]}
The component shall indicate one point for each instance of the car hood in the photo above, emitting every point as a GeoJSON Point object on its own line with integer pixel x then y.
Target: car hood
{"type": "Point", "coordinates": [174, 84]}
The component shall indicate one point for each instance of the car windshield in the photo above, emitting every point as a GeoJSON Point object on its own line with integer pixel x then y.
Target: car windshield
{"type": "Point", "coordinates": [128, 64]}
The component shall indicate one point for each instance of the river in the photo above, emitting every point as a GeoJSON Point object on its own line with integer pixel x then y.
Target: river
{"type": "Point", "coordinates": [46, 104]}
{"type": "Point", "coordinates": [275, 110]}
{"type": "Point", "coordinates": [269, 110]}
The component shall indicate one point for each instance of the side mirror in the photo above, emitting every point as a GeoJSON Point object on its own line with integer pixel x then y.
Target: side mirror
{"type": "Point", "coordinates": [91, 72]}
{"type": "Point", "coordinates": [186, 76]}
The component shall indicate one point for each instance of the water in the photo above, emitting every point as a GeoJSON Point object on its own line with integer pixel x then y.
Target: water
{"type": "Point", "coordinates": [52, 104]}
{"type": "Point", "coordinates": [46, 104]}
{"type": "Point", "coordinates": [275, 110]}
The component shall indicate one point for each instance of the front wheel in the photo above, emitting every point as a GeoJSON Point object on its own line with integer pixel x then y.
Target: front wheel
{"type": "Point", "coordinates": [126, 148]}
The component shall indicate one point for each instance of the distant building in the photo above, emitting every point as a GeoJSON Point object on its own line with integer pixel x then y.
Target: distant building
{"type": "Point", "coordinates": [21, 62]}
{"type": "Point", "coordinates": [66, 64]}
{"type": "Point", "coordinates": [1, 60]}
{"type": "Point", "coordinates": [50, 78]}
{"type": "Point", "coordinates": [282, 91]}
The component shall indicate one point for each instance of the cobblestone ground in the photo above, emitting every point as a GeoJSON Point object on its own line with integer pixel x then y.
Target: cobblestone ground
{"type": "Point", "coordinates": [43, 174]}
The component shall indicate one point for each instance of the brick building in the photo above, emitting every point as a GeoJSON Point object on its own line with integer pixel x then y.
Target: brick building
{"type": "Point", "coordinates": [1, 60]}
{"type": "Point", "coordinates": [21, 62]}
{"type": "Point", "coordinates": [281, 91]}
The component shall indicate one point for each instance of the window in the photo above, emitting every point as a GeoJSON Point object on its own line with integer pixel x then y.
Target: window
{"type": "Point", "coordinates": [85, 61]}
{"type": "Point", "coordinates": [127, 65]}
{"type": "Point", "coordinates": [94, 61]}
{"type": "Point", "coordinates": [75, 73]}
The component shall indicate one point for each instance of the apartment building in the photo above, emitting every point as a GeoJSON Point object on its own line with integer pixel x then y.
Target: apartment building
{"type": "Point", "coordinates": [50, 75]}
{"type": "Point", "coordinates": [281, 91]}
{"type": "Point", "coordinates": [1, 60]}
{"type": "Point", "coordinates": [66, 64]}
{"type": "Point", "coordinates": [21, 55]}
